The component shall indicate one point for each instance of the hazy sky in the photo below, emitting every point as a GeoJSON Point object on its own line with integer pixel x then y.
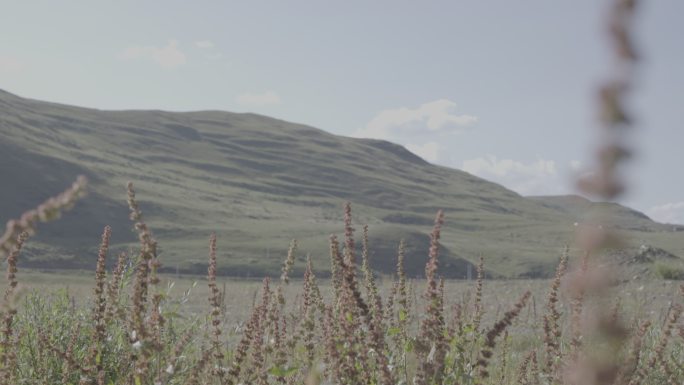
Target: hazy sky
{"type": "Point", "coordinates": [504, 90]}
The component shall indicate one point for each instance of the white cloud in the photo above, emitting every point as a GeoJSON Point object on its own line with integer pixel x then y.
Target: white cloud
{"type": "Point", "coordinates": [503, 167]}
{"type": "Point", "coordinates": [9, 64]}
{"type": "Point", "coordinates": [428, 151]}
{"type": "Point", "coordinates": [434, 117]}
{"type": "Point", "coordinates": [422, 130]}
{"type": "Point", "coordinates": [668, 213]}
{"type": "Point", "coordinates": [259, 99]}
{"type": "Point", "coordinates": [168, 56]}
{"type": "Point", "coordinates": [204, 44]}
{"type": "Point", "coordinates": [533, 178]}
{"type": "Point", "coordinates": [575, 165]}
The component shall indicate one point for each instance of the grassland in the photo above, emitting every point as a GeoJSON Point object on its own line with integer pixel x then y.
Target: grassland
{"type": "Point", "coordinates": [651, 296]}
{"type": "Point", "coordinates": [587, 327]}
{"type": "Point", "coordinates": [214, 330]}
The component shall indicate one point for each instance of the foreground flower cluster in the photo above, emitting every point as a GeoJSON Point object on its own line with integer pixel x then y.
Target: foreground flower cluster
{"type": "Point", "coordinates": [349, 334]}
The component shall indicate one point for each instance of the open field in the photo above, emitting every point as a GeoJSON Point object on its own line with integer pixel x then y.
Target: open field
{"type": "Point", "coordinates": [652, 297]}
{"type": "Point", "coordinates": [136, 326]}
{"type": "Point", "coordinates": [189, 306]}
{"type": "Point", "coordinates": [600, 320]}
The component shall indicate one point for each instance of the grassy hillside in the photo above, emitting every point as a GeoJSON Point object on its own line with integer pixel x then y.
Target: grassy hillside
{"type": "Point", "coordinates": [259, 182]}
{"type": "Point", "coordinates": [614, 214]}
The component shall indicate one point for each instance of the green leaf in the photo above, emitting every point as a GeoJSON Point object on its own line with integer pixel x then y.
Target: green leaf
{"type": "Point", "coordinates": [408, 347]}
{"type": "Point", "coordinates": [282, 372]}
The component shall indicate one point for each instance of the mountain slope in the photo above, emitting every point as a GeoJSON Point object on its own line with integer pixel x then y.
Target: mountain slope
{"type": "Point", "coordinates": [257, 182]}
{"type": "Point", "coordinates": [613, 214]}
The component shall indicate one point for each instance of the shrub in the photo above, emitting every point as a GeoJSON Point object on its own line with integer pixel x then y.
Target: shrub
{"type": "Point", "coordinates": [669, 271]}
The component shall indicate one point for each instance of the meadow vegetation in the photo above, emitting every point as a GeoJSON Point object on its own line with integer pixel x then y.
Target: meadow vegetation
{"type": "Point", "coordinates": [352, 330]}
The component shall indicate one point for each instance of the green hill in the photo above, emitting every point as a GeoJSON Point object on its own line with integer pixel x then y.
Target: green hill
{"type": "Point", "coordinates": [612, 214]}
{"type": "Point", "coordinates": [259, 182]}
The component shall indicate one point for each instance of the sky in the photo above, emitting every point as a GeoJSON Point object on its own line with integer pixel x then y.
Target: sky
{"type": "Point", "coordinates": [503, 90]}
